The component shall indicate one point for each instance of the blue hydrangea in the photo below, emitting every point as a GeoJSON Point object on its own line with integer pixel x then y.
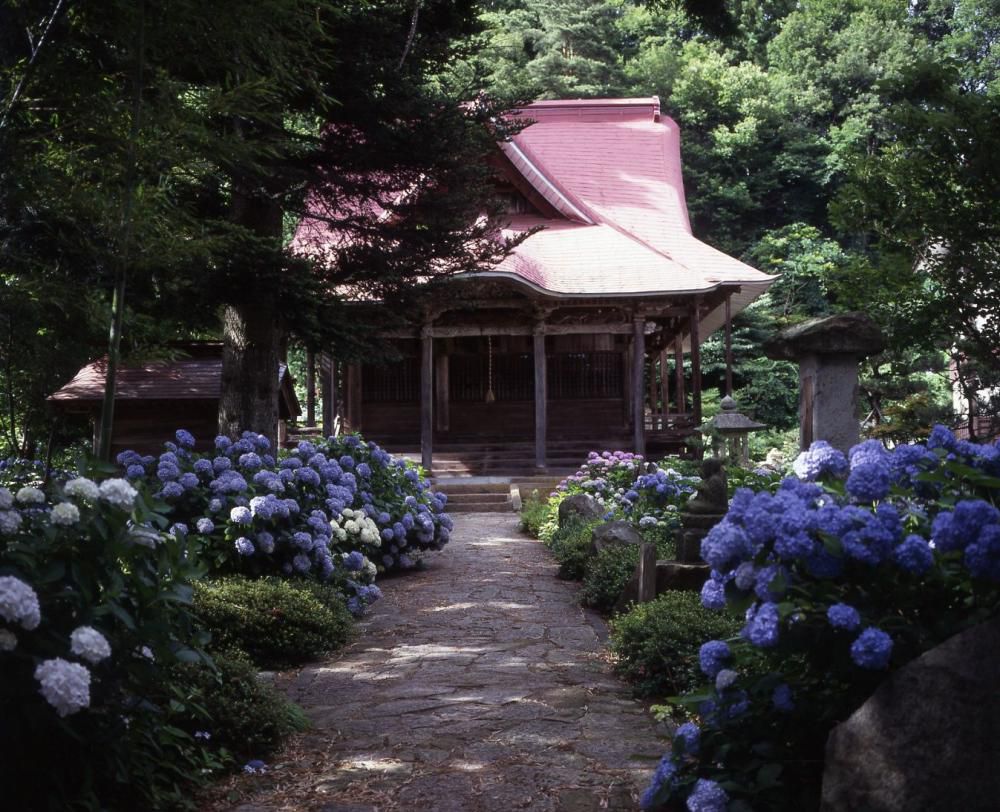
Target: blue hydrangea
{"type": "Point", "coordinates": [707, 796]}
{"type": "Point", "coordinates": [203, 467]}
{"type": "Point", "coordinates": [214, 505]}
{"type": "Point", "coordinates": [820, 460]}
{"type": "Point", "coordinates": [712, 656]}
{"type": "Point", "coordinates": [782, 698]}
{"type": "Point", "coordinates": [265, 542]}
{"type": "Point", "coordinates": [302, 540]}
{"type": "Point", "coordinates": [843, 616]}
{"type": "Point", "coordinates": [222, 442]}
{"type": "Point", "coordinates": [184, 438]}
{"type": "Point", "coordinates": [172, 490]}
{"type": "Point", "coordinates": [364, 470]}
{"type": "Point", "coordinates": [205, 526]}
{"type": "Point", "coordinates": [244, 546]}
{"type": "Point", "coordinates": [301, 563]}
{"type": "Point", "coordinates": [291, 463]}
{"type": "Point", "coordinates": [347, 461]}
{"type": "Point", "coordinates": [354, 561]}
{"type": "Point", "coordinates": [713, 594]}
{"type": "Point", "coordinates": [941, 437]}
{"type": "Point", "coordinates": [663, 780]}
{"type": "Point", "coordinates": [763, 627]}
{"type": "Point", "coordinates": [914, 555]}
{"type": "Point", "coordinates": [868, 452]}
{"type": "Point", "coordinates": [687, 736]}
{"type": "Point", "coordinates": [220, 464]}
{"type": "Point", "coordinates": [724, 545]}
{"type": "Point", "coordinates": [764, 584]}
{"type": "Point", "coordinates": [241, 515]}
{"type": "Point", "coordinates": [135, 471]}
{"type": "Point", "coordinates": [869, 482]}
{"type": "Point", "coordinates": [167, 471]}
{"type": "Point", "coordinates": [188, 480]}
{"type": "Point", "coordinates": [982, 556]}
{"type": "Point", "coordinates": [953, 530]}
{"type": "Point", "coordinates": [872, 649]}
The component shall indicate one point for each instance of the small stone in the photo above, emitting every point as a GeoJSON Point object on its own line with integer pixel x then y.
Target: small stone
{"type": "Point", "coordinates": [613, 534]}
{"type": "Point", "coordinates": [578, 507]}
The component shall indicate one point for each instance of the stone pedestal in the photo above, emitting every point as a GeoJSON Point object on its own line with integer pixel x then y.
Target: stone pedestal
{"type": "Point", "coordinates": [694, 527]}
{"type": "Point", "coordinates": [828, 351]}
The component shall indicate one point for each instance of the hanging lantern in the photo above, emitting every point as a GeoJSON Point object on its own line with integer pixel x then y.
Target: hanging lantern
{"type": "Point", "coordinates": [490, 396]}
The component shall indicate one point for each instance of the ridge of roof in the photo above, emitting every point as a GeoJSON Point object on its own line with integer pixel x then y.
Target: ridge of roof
{"type": "Point", "coordinates": [643, 107]}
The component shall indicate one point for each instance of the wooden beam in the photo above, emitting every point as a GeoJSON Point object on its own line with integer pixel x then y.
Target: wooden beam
{"type": "Point", "coordinates": [729, 346]}
{"type": "Point", "coordinates": [310, 388]}
{"type": "Point", "coordinates": [653, 393]}
{"type": "Point", "coordinates": [354, 396]}
{"type": "Point", "coordinates": [638, 366]}
{"type": "Point", "coordinates": [328, 383]}
{"type": "Point", "coordinates": [541, 396]}
{"type": "Point", "coordinates": [426, 399]}
{"type": "Point", "coordinates": [696, 361]}
{"type": "Point", "coordinates": [679, 376]}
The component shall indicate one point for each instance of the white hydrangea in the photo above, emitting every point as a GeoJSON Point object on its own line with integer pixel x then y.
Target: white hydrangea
{"type": "Point", "coordinates": [30, 496]}
{"type": "Point", "coordinates": [370, 569]}
{"type": "Point", "coordinates": [65, 685]}
{"type": "Point", "coordinates": [119, 493]}
{"type": "Point", "coordinates": [19, 603]}
{"type": "Point", "coordinates": [89, 644]}
{"type": "Point", "coordinates": [6, 499]}
{"type": "Point", "coordinates": [8, 640]}
{"type": "Point", "coordinates": [82, 488]}
{"type": "Point", "coordinates": [65, 514]}
{"type": "Point", "coordinates": [146, 652]}
{"type": "Point", "coordinates": [10, 521]}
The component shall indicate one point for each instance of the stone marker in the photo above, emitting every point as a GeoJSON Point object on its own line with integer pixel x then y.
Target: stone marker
{"type": "Point", "coordinates": [927, 739]}
{"type": "Point", "coordinates": [613, 534]}
{"type": "Point", "coordinates": [828, 350]}
{"type": "Point", "coordinates": [703, 511]}
{"type": "Point", "coordinates": [578, 507]}
{"type": "Point", "coordinates": [647, 572]}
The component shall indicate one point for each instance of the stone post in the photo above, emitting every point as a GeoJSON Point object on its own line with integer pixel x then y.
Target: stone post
{"type": "Point", "coordinates": [828, 351]}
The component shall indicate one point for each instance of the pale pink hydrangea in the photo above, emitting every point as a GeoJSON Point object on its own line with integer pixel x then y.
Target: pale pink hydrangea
{"type": "Point", "coordinates": [65, 514]}
{"type": "Point", "coordinates": [19, 603]}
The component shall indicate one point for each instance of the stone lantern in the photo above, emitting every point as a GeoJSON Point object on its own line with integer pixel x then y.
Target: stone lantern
{"type": "Point", "coordinates": [733, 429]}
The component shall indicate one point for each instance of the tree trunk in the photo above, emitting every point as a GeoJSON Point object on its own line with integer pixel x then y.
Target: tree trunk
{"type": "Point", "coordinates": [252, 334]}
{"type": "Point", "coordinates": [249, 397]}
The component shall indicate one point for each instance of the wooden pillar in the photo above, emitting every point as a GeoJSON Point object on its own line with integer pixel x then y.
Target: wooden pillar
{"type": "Point", "coordinates": [729, 346]}
{"type": "Point", "coordinates": [679, 375]}
{"type": "Point", "coordinates": [541, 396]}
{"type": "Point", "coordinates": [638, 401]}
{"type": "Point", "coordinates": [353, 396]}
{"type": "Point", "coordinates": [696, 359]}
{"type": "Point", "coordinates": [441, 412]}
{"type": "Point", "coordinates": [328, 384]}
{"type": "Point", "coordinates": [310, 388]}
{"type": "Point", "coordinates": [664, 383]}
{"type": "Point", "coordinates": [426, 398]}
{"type": "Point", "coordinates": [653, 389]}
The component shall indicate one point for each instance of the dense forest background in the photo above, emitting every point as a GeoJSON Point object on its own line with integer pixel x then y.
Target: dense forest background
{"type": "Point", "coordinates": [849, 145]}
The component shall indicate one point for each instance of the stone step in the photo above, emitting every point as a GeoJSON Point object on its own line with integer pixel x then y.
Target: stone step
{"type": "Point", "coordinates": [480, 507]}
{"type": "Point", "coordinates": [458, 488]}
{"type": "Point", "coordinates": [478, 497]}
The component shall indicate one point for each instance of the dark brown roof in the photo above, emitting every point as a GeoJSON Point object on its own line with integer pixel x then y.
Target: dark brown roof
{"type": "Point", "coordinates": [183, 379]}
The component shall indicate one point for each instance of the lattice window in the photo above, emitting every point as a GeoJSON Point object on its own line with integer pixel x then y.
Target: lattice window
{"type": "Point", "coordinates": [513, 377]}
{"type": "Point", "coordinates": [579, 375]}
{"type": "Point", "coordinates": [397, 382]}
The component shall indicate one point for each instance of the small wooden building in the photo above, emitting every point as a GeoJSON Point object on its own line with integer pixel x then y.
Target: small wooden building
{"type": "Point", "coordinates": [582, 332]}
{"type": "Point", "coordinates": [155, 398]}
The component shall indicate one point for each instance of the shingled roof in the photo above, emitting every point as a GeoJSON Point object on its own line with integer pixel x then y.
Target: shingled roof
{"type": "Point", "coordinates": [616, 223]}
{"type": "Point", "coordinates": [193, 378]}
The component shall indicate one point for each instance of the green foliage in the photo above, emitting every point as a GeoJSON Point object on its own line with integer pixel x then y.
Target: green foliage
{"type": "Point", "coordinates": [570, 544]}
{"type": "Point", "coordinates": [99, 561]}
{"type": "Point", "coordinates": [278, 623]}
{"type": "Point", "coordinates": [656, 643]}
{"type": "Point", "coordinates": [535, 512]}
{"type": "Point", "coordinates": [607, 574]}
{"type": "Point", "coordinates": [244, 716]}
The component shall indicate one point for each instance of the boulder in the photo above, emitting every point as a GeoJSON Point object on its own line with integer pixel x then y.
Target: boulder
{"type": "Point", "coordinates": [580, 507]}
{"type": "Point", "coordinates": [614, 534]}
{"type": "Point", "coordinates": [927, 738]}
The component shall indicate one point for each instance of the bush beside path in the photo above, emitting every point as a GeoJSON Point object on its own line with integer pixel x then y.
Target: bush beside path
{"type": "Point", "coordinates": [478, 684]}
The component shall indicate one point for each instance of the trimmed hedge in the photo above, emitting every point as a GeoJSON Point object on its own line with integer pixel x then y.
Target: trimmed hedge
{"type": "Point", "coordinates": [607, 574]}
{"type": "Point", "coordinates": [570, 544]}
{"type": "Point", "coordinates": [249, 717]}
{"type": "Point", "coordinates": [278, 623]}
{"type": "Point", "coordinates": [656, 643]}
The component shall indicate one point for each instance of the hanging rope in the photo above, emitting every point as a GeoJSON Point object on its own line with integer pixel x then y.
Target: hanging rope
{"type": "Point", "coordinates": [490, 397]}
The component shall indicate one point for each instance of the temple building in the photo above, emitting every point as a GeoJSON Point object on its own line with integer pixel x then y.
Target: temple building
{"type": "Point", "coordinates": [579, 337]}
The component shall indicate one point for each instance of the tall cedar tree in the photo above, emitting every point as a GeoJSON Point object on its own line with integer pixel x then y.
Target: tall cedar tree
{"type": "Point", "coordinates": [248, 109]}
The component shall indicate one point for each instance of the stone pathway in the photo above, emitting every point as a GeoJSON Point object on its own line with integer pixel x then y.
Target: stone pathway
{"type": "Point", "coordinates": [478, 684]}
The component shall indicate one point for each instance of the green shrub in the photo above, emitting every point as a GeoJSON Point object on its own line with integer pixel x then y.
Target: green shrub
{"type": "Point", "coordinates": [249, 717]}
{"type": "Point", "coordinates": [571, 546]}
{"type": "Point", "coordinates": [277, 623]}
{"type": "Point", "coordinates": [607, 574]}
{"type": "Point", "coordinates": [535, 511]}
{"type": "Point", "coordinates": [657, 643]}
